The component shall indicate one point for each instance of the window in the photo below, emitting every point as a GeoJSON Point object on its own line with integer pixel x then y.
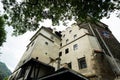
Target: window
{"type": "Point", "coordinates": [67, 40]}
{"type": "Point", "coordinates": [70, 31]}
{"type": "Point", "coordinates": [46, 43]}
{"type": "Point", "coordinates": [37, 57]}
{"type": "Point", "coordinates": [66, 51]}
{"type": "Point", "coordinates": [64, 35]}
{"type": "Point", "coordinates": [60, 53]}
{"type": "Point", "coordinates": [60, 44]}
{"type": "Point", "coordinates": [75, 36]}
{"type": "Point", "coordinates": [75, 47]}
{"type": "Point", "coordinates": [82, 63]}
{"type": "Point", "coordinates": [46, 53]}
{"type": "Point", "coordinates": [69, 65]}
{"type": "Point", "coordinates": [52, 37]}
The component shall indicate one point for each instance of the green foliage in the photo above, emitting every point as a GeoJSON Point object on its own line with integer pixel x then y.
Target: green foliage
{"type": "Point", "coordinates": [2, 31]}
{"type": "Point", "coordinates": [27, 14]}
{"type": "Point", "coordinates": [6, 78]}
{"type": "Point", "coordinates": [4, 71]}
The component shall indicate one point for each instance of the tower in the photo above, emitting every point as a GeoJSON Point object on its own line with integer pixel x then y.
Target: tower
{"type": "Point", "coordinates": [36, 60]}
{"type": "Point", "coordinates": [87, 48]}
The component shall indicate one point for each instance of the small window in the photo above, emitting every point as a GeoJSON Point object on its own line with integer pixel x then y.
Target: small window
{"type": "Point", "coordinates": [36, 57]}
{"type": "Point", "coordinates": [75, 36]}
{"type": "Point", "coordinates": [60, 53]}
{"type": "Point", "coordinates": [60, 44]}
{"type": "Point", "coordinates": [64, 35]}
{"type": "Point", "coordinates": [70, 31]}
{"type": "Point", "coordinates": [52, 37]}
{"type": "Point", "coordinates": [69, 65]}
{"type": "Point", "coordinates": [66, 51]}
{"type": "Point", "coordinates": [75, 47]}
{"type": "Point", "coordinates": [67, 41]}
{"type": "Point", "coordinates": [46, 43]}
{"type": "Point", "coordinates": [46, 53]}
{"type": "Point", "coordinates": [82, 63]}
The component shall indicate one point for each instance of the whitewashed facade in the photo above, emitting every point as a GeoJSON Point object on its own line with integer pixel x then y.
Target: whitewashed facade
{"type": "Point", "coordinates": [77, 48]}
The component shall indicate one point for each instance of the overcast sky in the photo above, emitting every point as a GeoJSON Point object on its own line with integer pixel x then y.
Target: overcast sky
{"type": "Point", "coordinates": [14, 47]}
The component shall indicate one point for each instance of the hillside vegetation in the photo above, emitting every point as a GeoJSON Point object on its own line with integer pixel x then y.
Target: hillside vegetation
{"type": "Point", "coordinates": [4, 71]}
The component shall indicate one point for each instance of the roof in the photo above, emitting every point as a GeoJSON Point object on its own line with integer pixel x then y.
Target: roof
{"type": "Point", "coordinates": [57, 34]}
{"type": "Point", "coordinates": [64, 74]}
{"type": "Point", "coordinates": [34, 61]}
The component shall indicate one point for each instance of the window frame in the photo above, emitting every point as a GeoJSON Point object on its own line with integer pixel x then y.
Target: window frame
{"type": "Point", "coordinates": [75, 47]}
{"type": "Point", "coordinates": [75, 36]}
{"type": "Point", "coordinates": [67, 41]}
{"type": "Point", "coordinates": [63, 35]}
{"type": "Point", "coordinates": [82, 63]}
{"type": "Point", "coordinates": [60, 53]}
{"type": "Point", "coordinates": [60, 44]}
{"type": "Point", "coordinates": [66, 50]}
{"type": "Point", "coordinates": [70, 31]}
{"type": "Point", "coordinates": [46, 43]}
{"type": "Point", "coordinates": [46, 53]}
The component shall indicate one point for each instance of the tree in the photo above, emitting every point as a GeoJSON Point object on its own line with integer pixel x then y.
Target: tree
{"type": "Point", "coordinates": [27, 14]}
{"type": "Point", "coordinates": [2, 31]}
{"type": "Point", "coordinates": [6, 78]}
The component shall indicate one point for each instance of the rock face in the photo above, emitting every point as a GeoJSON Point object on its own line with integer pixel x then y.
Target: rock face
{"type": "Point", "coordinates": [4, 71]}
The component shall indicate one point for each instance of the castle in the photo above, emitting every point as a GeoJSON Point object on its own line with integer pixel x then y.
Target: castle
{"type": "Point", "coordinates": [84, 50]}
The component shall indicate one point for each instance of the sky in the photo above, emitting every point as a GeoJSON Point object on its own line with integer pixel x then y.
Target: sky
{"type": "Point", "coordinates": [14, 47]}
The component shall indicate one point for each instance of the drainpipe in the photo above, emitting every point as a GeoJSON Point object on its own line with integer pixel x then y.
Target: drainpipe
{"type": "Point", "coordinates": [91, 29]}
